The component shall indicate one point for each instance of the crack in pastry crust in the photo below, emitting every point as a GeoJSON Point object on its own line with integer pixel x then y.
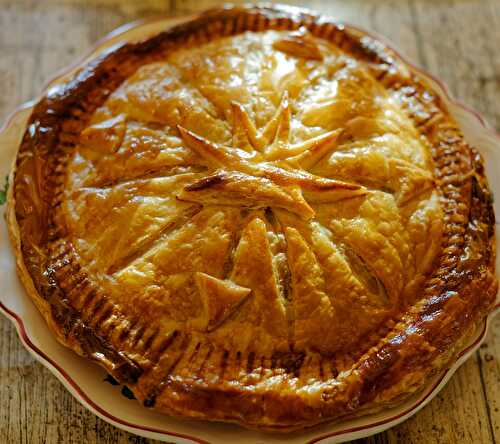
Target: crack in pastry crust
{"type": "Point", "coordinates": [214, 322]}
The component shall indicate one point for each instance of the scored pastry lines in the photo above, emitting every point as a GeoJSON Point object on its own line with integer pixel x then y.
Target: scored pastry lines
{"type": "Point", "coordinates": [220, 298]}
{"type": "Point", "coordinates": [312, 306]}
{"type": "Point", "coordinates": [275, 134]}
{"type": "Point", "coordinates": [186, 249]}
{"type": "Point", "coordinates": [149, 242]}
{"type": "Point", "coordinates": [258, 177]}
{"type": "Point", "coordinates": [249, 297]}
{"type": "Point", "coordinates": [254, 181]}
{"type": "Point", "coordinates": [234, 188]}
{"type": "Point", "coordinates": [409, 181]}
{"type": "Point", "coordinates": [253, 268]}
{"type": "Point", "coordinates": [335, 254]}
{"type": "Point", "coordinates": [267, 160]}
{"type": "Point", "coordinates": [261, 170]}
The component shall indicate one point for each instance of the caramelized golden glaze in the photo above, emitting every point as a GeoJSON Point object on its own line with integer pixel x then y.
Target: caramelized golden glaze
{"type": "Point", "coordinates": [259, 217]}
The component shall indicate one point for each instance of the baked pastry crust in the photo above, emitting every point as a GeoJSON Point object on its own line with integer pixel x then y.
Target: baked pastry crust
{"type": "Point", "coordinates": [280, 260]}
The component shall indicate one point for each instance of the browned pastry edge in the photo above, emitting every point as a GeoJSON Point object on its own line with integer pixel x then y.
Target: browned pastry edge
{"type": "Point", "coordinates": [457, 296]}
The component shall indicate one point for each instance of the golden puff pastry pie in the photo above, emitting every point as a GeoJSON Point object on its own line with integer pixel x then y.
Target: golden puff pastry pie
{"type": "Point", "coordinates": [258, 216]}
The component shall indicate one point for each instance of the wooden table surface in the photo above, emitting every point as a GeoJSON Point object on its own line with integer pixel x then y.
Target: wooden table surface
{"type": "Point", "coordinates": [457, 40]}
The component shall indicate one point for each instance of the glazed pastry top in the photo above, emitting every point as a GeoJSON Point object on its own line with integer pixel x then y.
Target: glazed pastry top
{"type": "Point", "coordinates": [258, 189]}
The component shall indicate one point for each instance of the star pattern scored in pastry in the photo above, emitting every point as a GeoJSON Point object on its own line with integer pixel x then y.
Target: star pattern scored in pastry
{"type": "Point", "coordinates": [263, 169]}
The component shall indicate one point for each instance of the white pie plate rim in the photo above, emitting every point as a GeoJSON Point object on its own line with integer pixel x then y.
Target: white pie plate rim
{"type": "Point", "coordinates": [84, 380]}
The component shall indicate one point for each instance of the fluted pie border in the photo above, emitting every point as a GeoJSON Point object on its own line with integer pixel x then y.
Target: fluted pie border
{"type": "Point", "coordinates": [337, 432]}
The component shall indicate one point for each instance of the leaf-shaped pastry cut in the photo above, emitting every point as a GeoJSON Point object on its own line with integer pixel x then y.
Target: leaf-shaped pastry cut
{"type": "Point", "coordinates": [245, 135]}
{"type": "Point", "coordinates": [105, 136]}
{"type": "Point", "coordinates": [277, 131]}
{"type": "Point", "coordinates": [333, 194]}
{"type": "Point", "coordinates": [312, 307]}
{"type": "Point", "coordinates": [299, 43]}
{"type": "Point", "coordinates": [410, 181]}
{"type": "Point", "coordinates": [220, 298]}
{"type": "Point", "coordinates": [322, 190]}
{"type": "Point", "coordinates": [260, 323]}
{"type": "Point", "coordinates": [273, 137]}
{"type": "Point", "coordinates": [366, 275]}
{"type": "Point", "coordinates": [131, 248]}
{"type": "Point", "coordinates": [307, 181]}
{"type": "Point", "coordinates": [308, 153]}
{"type": "Point", "coordinates": [234, 188]}
{"type": "Point", "coordinates": [253, 268]}
{"type": "Point", "coordinates": [315, 188]}
{"type": "Point", "coordinates": [214, 153]}
{"type": "Point", "coordinates": [159, 94]}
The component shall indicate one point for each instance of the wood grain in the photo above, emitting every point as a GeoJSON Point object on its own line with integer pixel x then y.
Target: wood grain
{"type": "Point", "coordinates": [457, 40]}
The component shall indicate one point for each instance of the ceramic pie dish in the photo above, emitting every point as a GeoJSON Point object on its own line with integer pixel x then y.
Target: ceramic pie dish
{"type": "Point", "coordinates": [260, 290]}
